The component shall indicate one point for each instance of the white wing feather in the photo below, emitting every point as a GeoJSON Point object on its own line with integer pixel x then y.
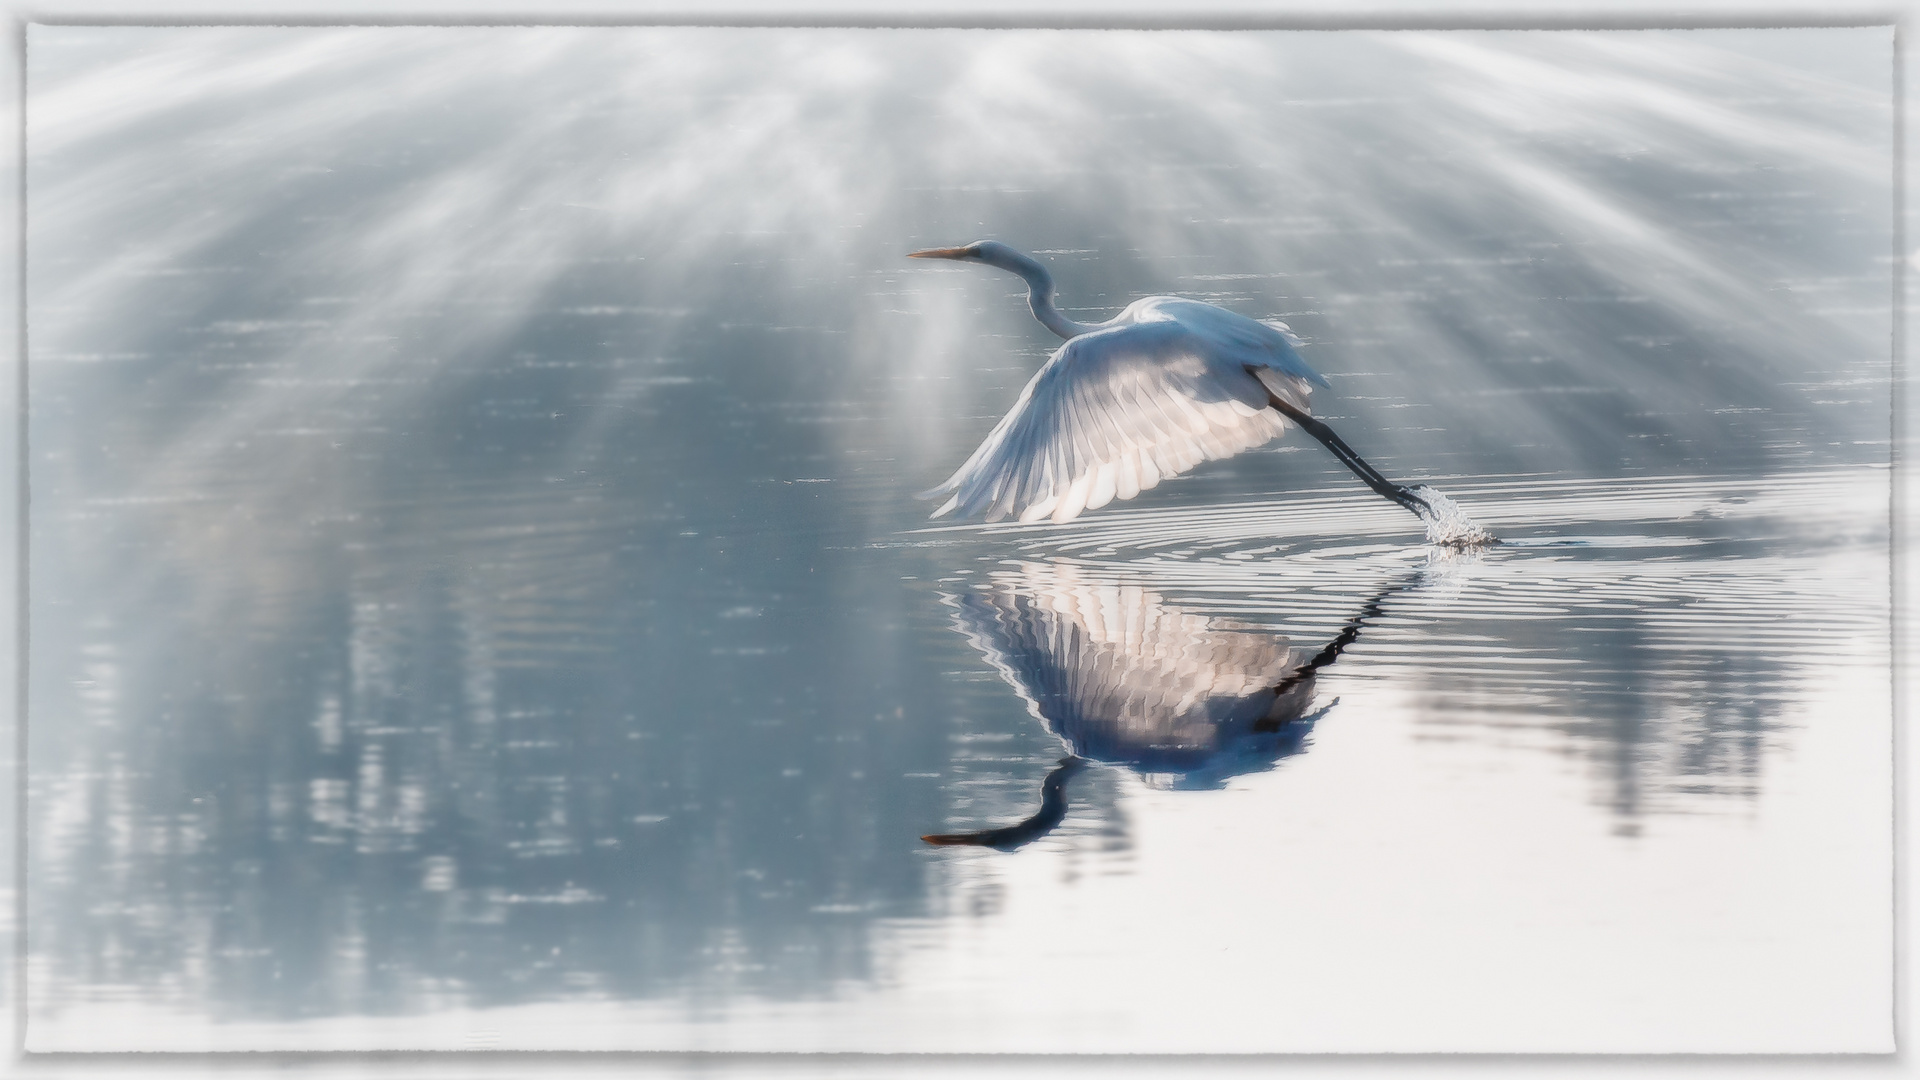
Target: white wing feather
{"type": "Point", "coordinates": [1163, 387]}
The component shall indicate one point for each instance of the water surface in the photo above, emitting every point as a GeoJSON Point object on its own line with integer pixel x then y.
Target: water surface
{"type": "Point", "coordinates": [478, 599]}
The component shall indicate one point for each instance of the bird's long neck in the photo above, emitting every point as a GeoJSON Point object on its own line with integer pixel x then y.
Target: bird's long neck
{"type": "Point", "coordinates": [1040, 293]}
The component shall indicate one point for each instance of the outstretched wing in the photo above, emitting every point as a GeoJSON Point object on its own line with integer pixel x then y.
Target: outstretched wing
{"type": "Point", "coordinates": [1113, 412]}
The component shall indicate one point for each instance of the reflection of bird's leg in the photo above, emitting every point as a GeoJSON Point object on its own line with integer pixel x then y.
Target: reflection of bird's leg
{"type": "Point", "coordinates": [1053, 808]}
{"type": "Point", "coordinates": [1348, 634]}
{"type": "Point", "coordinates": [1367, 473]}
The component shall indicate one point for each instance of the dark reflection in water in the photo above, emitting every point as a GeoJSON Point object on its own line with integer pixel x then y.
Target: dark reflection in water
{"type": "Point", "coordinates": [472, 536]}
{"type": "Point", "coordinates": [489, 771]}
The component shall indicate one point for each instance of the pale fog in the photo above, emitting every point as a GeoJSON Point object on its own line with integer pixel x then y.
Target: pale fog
{"type": "Point", "coordinates": [479, 600]}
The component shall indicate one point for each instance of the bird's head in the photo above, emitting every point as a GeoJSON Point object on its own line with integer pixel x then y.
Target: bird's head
{"type": "Point", "coordinates": [990, 252]}
{"type": "Point", "coordinates": [1039, 282]}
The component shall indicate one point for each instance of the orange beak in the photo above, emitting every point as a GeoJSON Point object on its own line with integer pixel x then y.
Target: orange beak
{"type": "Point", "coordinates": [940, 253]}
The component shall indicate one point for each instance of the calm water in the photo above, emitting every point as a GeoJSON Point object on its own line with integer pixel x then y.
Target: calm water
{"type": "Point", "coordinates": [478, 599]}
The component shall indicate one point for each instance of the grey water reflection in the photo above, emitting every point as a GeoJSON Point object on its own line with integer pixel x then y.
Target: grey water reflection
{"type": "Point", "coordinates": [486, 771]}
{"type": "Point", "coordinates": [474, 560]}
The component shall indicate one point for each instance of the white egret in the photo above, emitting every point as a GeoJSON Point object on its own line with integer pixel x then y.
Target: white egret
{"type": "Point", "coordinates": [1148, 394]}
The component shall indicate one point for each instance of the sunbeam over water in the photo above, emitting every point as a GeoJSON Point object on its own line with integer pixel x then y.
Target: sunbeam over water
{"type": "Point", "coordinates": [478, 599]}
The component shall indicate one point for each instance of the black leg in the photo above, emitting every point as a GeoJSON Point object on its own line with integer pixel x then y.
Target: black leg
{"type": "Point", "coordinates": [1367, 473]}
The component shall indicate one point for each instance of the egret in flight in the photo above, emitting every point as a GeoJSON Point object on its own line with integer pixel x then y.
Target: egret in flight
{"type": "Point", "coordinates": [1152, 392]}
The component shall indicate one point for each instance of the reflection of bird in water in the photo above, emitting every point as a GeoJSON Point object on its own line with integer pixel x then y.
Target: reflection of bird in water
{"type": "Point", "coordinates": [1150, 393]}
{"type": "Point", "coordinates": [1123, 677]}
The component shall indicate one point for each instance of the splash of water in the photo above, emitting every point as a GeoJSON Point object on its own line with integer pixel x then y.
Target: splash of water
{"type": "Point", "coordinates": [1448, 525]}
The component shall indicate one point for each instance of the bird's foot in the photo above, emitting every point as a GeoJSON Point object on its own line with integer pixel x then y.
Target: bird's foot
{"type": "Point", "coordinates": [1447, 524]}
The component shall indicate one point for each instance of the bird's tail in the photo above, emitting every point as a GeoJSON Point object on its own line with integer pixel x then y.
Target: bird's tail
{"type": "Point", "coordinates": [1292, 389]}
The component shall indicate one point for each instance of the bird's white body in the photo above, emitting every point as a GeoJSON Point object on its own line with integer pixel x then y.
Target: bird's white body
{"type": "Point", "coordinates": [1151, 393]}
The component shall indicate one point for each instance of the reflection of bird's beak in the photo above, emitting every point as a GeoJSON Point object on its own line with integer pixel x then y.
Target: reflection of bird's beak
{"type": "Point", "coordinates": [939, 253]}
{"type": "Point", "coordinates": [956, 839]}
